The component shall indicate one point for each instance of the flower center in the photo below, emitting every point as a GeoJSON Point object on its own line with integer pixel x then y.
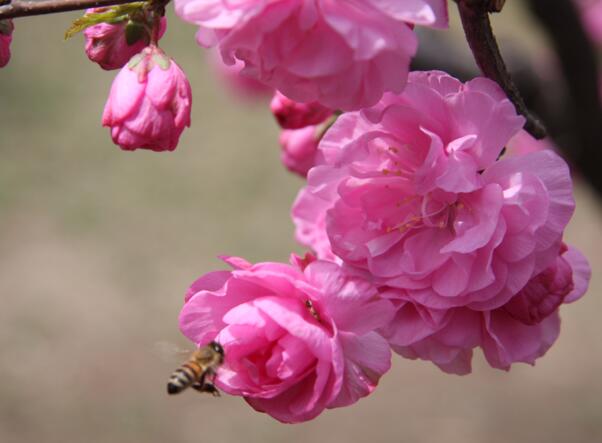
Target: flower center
{"type": "Point", "coordinates": [426, 212]}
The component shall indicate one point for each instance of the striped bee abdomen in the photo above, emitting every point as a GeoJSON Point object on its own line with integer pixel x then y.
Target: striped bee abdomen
{"type": "Point", "coordinates": [189, 373]}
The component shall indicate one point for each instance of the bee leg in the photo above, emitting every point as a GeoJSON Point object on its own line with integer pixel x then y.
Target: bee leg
{"type": "Point", "coordinates": [210, 385]}
{"type": "Point", "coordinates": [206, 387]}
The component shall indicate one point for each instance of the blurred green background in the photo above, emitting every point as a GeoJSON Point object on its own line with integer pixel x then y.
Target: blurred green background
{"type": "Point", "coordinates": [97, 247]}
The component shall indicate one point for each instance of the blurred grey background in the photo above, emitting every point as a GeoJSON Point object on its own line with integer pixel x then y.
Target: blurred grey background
{"type": "Point", "coordinates": [97, 247]}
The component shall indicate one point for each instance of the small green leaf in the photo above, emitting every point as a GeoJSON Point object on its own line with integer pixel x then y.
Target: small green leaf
{"type": "Point", "coordinates": [161, 60]}
{"type": "Point", "coordinates": [112, 15]}
{"type": "Point", "coordinates": [135, 60]}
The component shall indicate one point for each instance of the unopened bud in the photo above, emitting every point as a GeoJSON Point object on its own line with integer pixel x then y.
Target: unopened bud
{"type": "Point", "coordinates": [294, 115]}
{"type": "Point", "coordinates": [6, 36]}
{"type": "Point", "coordinates": [149, 104]}
{"type": "Point", "coordinates": [112, 45]}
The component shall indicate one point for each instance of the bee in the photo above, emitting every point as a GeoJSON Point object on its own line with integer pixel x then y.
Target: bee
{"type": "Point", "coordinates": [198, 372]}
{"type": "Point", "coordinates": [312, 310]}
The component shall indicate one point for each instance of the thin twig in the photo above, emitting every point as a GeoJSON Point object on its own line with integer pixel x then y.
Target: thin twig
{"type": "Point", "coordinates": [19, 8]}
{"type": "Point", "coordinates": [475, 20]}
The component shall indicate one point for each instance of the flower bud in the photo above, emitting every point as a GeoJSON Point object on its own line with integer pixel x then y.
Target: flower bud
{"type": "Point", "coordinates": [6, 36]}
{"type": "Point", "coordinates": [542, 295]}
{"type": "Point", "coordinates": [293, 115]}
{"type": "Point", "coordinates": [149, 103]}
{"type": "Point", "coordinates": [112, 45]}
{"type": "Point", "coordinates": [299, 149]}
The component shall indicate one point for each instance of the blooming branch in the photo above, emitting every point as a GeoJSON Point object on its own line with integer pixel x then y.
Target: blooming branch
{"type": "Point", "coordinates": [477, 27]}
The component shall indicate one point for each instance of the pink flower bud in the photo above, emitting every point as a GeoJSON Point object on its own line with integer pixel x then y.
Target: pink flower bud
{"type": "Point", "coordinates": [149, 103]}
{"type": "Point", "coordinates": [6, 36]}
{"type": "Point", "coordinates": [299, 149]}
{"type": "Point", "coordinates": [112, 45]}
{"type": "Point", "coordinates": [293, 115]}
{"type": "Point", "coordinates": [543, 294]}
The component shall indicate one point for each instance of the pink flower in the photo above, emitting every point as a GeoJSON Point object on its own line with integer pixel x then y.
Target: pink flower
{"type": "Point", "coordinates": [149, 103]}
{"type": "Point", "coordinates": [112, 45]}
{"type": "Point", "coordinates": [242, 86]}
{"type": "Point", "coordinates": [296, 341]}
{"type": "Point", "coordinates": [6, 37]}
{"type": "Point", "coordinates": [293, 115]}
{"type": "Point", "coordinates": [299, 148]}
{"type": "Point", "coordinates": [520, 331]}
{"type": "Point", "coordinates": [343, 54]}
{"type": "Point", "coordinates": [410, 192]}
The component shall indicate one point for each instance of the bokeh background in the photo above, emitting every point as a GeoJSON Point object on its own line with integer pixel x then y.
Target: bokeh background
{"type": "Point", "coordinates": [97, 247]}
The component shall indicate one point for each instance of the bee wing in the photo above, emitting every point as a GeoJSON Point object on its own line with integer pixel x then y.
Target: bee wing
{"type": "Point", "coordinates": [170, 352]}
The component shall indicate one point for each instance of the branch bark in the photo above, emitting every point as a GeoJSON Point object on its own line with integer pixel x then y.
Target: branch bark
{"type": "Point", "coordinates": [477, 27]}
{"type": "Point", "coordinates": [19, 8]}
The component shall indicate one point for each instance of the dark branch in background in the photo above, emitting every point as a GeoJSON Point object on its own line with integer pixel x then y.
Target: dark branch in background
{"type": "Point", "coordinates": [582, 136]}
{"type": "Point", "coordinates": [475, 20]}
{"type": "Point", "coordinates": [19, 8]}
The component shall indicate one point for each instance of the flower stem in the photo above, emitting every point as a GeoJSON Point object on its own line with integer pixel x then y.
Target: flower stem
{"type": "Point", "coordinates": [477, 28]}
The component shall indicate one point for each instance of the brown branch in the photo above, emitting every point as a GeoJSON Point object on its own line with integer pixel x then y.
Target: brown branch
{"type": "Point", "coordinates": [475, 21]}
{"type": "Point", "coordinates": [581, 134]}
{"type": "Point", "coordinates": [19, 8]}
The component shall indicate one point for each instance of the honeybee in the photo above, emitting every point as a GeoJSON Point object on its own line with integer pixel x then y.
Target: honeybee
{"type": "Point", "coordinates": [198, 372]}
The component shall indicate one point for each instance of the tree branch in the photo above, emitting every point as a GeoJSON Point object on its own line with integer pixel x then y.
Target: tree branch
{"type": "Point", "coordinates": [582, 135]}
{"type": "Point", "coordinates": [19, 8]}
{"type": "Point", "coordinates": [475, 21]}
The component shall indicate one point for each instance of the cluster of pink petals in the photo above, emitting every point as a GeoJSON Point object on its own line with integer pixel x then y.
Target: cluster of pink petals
{"type": "Point", "coordinates": [6, 37]}
{"type": "Point", "coordinates": [521, 330]}
{"type": "Point", "coordinates": [107, 44]}
{"type": "Point", "coordinates": [149, 103]}
{"type": "Point", "coordinates": [297, 338]}
{"type": "Point", "coordinates": [344, 54]}
{"type": "Point", "coordinates": [410, 193]}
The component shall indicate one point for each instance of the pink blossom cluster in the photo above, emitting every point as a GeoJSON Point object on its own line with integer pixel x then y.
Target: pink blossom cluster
{"type": "Point", "coordinates": [342, 54]}
{"type": "Point", "coordinates": [436, 224]}
{"type": "Point", "coordinates": [293, 342]}
{"type": "Point", "coordinates": [427, 240]}
{"type": "Point", "coordinates": [412, 194]}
